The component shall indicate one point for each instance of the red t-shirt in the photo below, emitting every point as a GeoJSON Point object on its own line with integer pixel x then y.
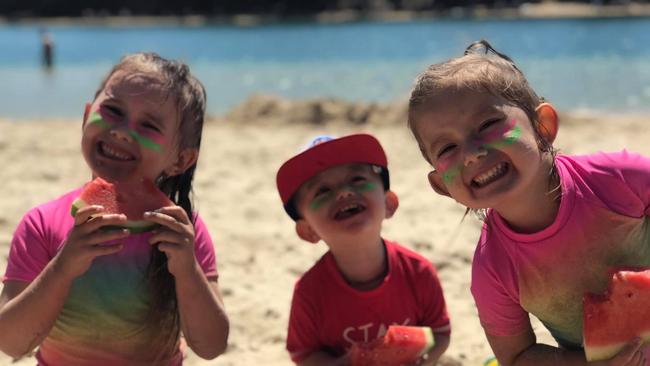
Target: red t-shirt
{"type": "Point", "coordinates": [329, 315]}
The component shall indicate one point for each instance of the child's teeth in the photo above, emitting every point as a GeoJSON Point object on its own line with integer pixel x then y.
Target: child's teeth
{"type": "Point", "coordinates": [489, 175]}
{"type": "Point", "coordinates": [115, 154]}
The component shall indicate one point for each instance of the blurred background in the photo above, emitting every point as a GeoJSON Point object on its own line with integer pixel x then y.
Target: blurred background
{"type": "Point", "coordinates": [590, 59]}
{"type": "Point", "coordinates": [582, 56]}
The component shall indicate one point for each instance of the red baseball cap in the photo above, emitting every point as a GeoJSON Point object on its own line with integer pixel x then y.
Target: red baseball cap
{"type": "Point", "coordinates": [325, 152]}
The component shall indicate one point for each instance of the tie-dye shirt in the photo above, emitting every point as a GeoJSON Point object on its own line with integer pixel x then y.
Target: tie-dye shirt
{"type": "Point", "coordinates": [602, 222]}
{"type": "Point", "coordinates": [101, 322]}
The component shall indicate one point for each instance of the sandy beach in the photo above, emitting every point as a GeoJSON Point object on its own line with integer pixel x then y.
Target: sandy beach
{"type": "Point", "coordinates": [259, 256]}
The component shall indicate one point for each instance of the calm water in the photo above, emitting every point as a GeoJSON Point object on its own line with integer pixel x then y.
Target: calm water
{"type": "Point", "coordinates": [599, 65]}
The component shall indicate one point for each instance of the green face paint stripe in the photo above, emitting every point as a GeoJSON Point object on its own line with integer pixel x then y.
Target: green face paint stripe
{"type": "Point", "coordinates": [366, 186]}
{"type": "Point", "coordinates": [513, 135]}
{"type": "Point", "coordinates": [321, 200]}
{"type": "Point", "coordinates": [144, 141]}
{"type": "Point", "coordinates": [450, 174]}
{"type": "Point", "coordinates": [96, 118]}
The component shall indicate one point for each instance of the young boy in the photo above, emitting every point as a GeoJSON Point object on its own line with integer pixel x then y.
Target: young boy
{"type": "Point", "coordinates": [338, 191]}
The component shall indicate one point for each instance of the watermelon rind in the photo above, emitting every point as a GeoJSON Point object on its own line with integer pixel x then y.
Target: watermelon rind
{"type": "Point", "coordinates": [134, 226]}
{"type": "Point", "coordinates": [428, 334]}
{"type": "Point", "coordinates": [598, 353]}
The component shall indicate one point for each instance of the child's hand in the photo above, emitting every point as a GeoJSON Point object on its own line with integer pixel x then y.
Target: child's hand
{"type": "Point", "coordinates": [175, 237]}
{"type": "Point", "coordinates": [631, 355]}
{"type": "Point", "coordinates": [86, 241]}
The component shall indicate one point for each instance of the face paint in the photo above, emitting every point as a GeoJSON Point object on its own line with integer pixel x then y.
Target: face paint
{"type": "Point", "coordinates": [507, 135]}
{"type": "Point", "coordinates": [504, 136]}
{"type": "Point", "coordinates": [449, 175]}
{"type": "Point", "coordinates": [148, 139]}
{"type": "Point", "coordinates": [323, 199]}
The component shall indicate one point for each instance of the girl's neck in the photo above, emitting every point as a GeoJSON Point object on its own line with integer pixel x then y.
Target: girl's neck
{"type": "Point", "coordinates": [538, 207]}
{"type": "Point", "coordinates": [363, 267]}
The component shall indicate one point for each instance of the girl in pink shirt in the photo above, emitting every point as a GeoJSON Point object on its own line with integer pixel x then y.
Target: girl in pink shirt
{"type": "Point", "coordinates": [553, 223]}
{"type": "Point", "coordinates": [86, 294]}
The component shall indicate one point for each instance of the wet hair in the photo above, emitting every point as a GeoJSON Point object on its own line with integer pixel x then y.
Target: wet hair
{"type": "Point", "coordinates": [482, 69]}
{"type": "Point", "coordinates": [190, 97]}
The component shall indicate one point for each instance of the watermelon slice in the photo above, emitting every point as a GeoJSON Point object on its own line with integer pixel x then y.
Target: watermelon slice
{"type": "Point", "coordinates": [130, 198]}
{"type": "Point", "coordinates": [400, 345]}
{"type": "Point", "coordinates": [613, 319]}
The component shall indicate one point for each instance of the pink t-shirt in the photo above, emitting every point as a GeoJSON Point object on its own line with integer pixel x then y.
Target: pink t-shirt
{"type": "Point", "coordinates": [101, 322]}
{"type": "Point", "coordinates": [329, 315]}
{"type": "Point", "coordinates": [602, 222]}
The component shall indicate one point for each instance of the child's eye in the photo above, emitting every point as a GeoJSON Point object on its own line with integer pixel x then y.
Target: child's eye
{"type": "Point", "coordinates": [150, 126]}
{"type": "Point", "coordinates": [112, 111]}
{"type": "Point", "coordinates": [446, 149]}
{"type": "Point", "coordinates": [358, 179]}
{"type": "Point", "coordinates": [488, 124]}
{"type": "Point", "coordinates": [321, 191]}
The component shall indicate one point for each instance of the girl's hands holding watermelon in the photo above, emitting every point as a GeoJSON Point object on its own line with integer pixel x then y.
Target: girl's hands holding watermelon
{"type": "Point", "coordinates": [87, 240]}
{"type": "Point", "coordinates": [175, 237]}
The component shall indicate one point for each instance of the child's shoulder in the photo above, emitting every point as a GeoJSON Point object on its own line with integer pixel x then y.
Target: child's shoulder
{"type": "Point", "coordinates": [397, 249]}
{"type": "Point", "coordinates": [606, 161]}
{"type": "Point", "coordinates": [317, 273]}
{"type": "Point", "coordinates": [408, 259]}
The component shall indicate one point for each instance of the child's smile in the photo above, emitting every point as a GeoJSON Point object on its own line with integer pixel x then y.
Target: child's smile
{"type": "Point", "coordinates": [492, 175]}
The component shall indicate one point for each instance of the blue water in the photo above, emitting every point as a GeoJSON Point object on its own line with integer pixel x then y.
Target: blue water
{"type": "Point", "coordinates": [593, 64]}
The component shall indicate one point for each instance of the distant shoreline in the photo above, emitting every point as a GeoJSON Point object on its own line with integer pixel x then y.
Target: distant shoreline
{"type": "Point", "coordinates": [546, 10]}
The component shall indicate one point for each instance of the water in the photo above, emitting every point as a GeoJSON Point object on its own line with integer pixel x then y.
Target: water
{"type": "Point", "coordinates": [591, 64]}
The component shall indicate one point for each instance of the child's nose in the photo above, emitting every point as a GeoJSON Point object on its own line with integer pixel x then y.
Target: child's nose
{"type": "Point", "coordinates": [344, 192]}
{"type": "Point", "coordinates": [121, 133]}
{"type": "Point", "coordinates": [473, 153]}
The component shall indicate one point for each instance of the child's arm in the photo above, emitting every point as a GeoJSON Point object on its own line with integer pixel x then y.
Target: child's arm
{"type": "Point", "coordinates": [522, 350]}
{"type": "Point", "coordinates": [28, 310]}
{"type": "Point", "coordinates": [441, 345]}
{"type": "Point", "coordinates": [204, 322]}
{"type": "Point", "coordinates": [203, 317]}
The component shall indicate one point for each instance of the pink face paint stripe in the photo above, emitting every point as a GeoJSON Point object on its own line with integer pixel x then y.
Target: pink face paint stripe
{"type": "Point", "coordinates": [497, 134]}
{"type": "Point", "coordinates": [509, 138]}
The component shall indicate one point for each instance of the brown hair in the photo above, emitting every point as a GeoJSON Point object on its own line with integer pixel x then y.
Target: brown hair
{"type": "Point", "coordinates": [481, 68]}
{"type": "Point", "coordinates": [190, 97]}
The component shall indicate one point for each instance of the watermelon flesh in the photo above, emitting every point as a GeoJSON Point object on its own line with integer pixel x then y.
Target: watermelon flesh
{"type": "Point", "coordinates": [132, 199]}
{"type": "Point", "coordinates": [400, 345]}
{"type": "Point", "coordinates": [613, 319]}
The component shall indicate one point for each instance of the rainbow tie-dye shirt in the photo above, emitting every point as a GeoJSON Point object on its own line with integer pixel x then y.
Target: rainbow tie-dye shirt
{"type": "Point", "coordinates": [102, 321]}
{"type": "Point", "coordinates": [602, 223]}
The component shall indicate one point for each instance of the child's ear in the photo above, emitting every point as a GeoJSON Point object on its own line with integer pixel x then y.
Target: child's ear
{"type": "Point", "coordinates": [86, 113]}
{"type": "Point", "coordinates": [306, 232]}
{"type": "Point", "coordinates": [186, 158]}
{"type": "Point", "coordinates": [548, 121]}
{"type": "Point", "coordinates": [435, 180]}
{"type": "Point", "coordinates": [392, 202]}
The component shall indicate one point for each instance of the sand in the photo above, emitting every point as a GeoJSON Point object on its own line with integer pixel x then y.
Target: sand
{"type": "Point", "coordinates": [259, 256]}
